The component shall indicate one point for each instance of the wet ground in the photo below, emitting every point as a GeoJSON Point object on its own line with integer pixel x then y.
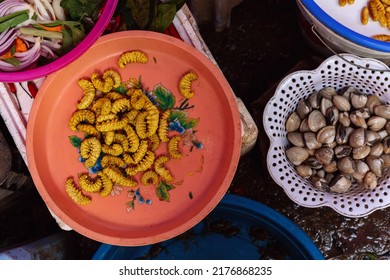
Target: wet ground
{"type": "Point", "coordinates": [263, 43]}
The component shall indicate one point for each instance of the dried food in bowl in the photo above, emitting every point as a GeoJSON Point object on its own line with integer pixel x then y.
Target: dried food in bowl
{"type": "Point", "coordinates": [41, 37]}
{"type": "Point", "coordinates": [368, 76]}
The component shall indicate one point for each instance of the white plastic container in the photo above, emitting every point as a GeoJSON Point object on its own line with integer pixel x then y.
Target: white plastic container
{"type": "Point", "coordinates": [341, 30]}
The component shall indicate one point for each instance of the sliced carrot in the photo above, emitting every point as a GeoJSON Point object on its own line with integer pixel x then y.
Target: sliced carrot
{"type": "Point", "coordinates": [51, 28]}
{"type": "Point", "coordinates": [6, 55]}
{"type": "Point", "coordinates": [20, 45]}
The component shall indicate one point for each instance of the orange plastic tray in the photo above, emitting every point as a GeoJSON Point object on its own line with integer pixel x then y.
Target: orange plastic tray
{"type": "Point", "coordinates": [202, 176]}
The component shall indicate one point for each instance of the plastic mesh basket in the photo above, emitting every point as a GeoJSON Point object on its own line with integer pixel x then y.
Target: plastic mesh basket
{"type": "Point", "coordinates": [369, 76]}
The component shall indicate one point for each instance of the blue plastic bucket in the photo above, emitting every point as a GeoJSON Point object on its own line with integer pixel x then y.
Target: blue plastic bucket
{"type": "Point", "coordinates": [238, 228]}
{"type": "Point", "coordinates": [350, 36]}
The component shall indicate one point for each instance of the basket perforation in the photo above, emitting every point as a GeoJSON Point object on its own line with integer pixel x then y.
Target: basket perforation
{"type": "Point", "coordinates": [337, 73]}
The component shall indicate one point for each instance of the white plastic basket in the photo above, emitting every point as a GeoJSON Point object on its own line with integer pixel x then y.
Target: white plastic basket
{"type": "Point", "coordinates": [369, 76]}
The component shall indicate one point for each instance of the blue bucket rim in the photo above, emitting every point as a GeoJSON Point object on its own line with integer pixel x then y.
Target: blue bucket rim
{"type": "Point", "coordinates": [274, 220]}
{"type": "Point", "coordinates": [343, 31]}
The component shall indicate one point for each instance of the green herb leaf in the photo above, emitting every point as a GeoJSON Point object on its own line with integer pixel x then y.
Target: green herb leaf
{"type": "Point", "coordinates": [13, 50]}
{"type": "Point", "coordinates": [164, 17]}
{"type": "Point", "coordinates": [75, 141]}
{"type": "Point", "coordinates": [164, 98]}
{"type": "Point", "coordinates": [162, 191]}
{"type": "Point", "coordinates": [78, 9]}
{"type": "Point", "coordinates": [140, 11]}
{"type": "Point", "coordinates": [72, 33]}
{"type": "Point", "coordinates": [12, 60]}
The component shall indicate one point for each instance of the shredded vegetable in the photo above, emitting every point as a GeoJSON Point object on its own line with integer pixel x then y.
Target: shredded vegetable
{"type": "Point", "coordinates": [34, 32]}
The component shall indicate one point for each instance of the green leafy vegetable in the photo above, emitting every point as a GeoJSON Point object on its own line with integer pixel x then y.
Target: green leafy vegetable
{"type": "Point", "coordinates": [152, 15]}
{"type": "Point", "coordinates": [40, 33]}
{"type": "Point", "coordinates": [12, 15]}
{"type": "Point", "coordinates": [140, 11]}
{"type": "Point", "coordinates": [12, 20]}
{"type": "Point", "coordinates": [164, 17]}
{"type": "Point", "coordinates": [79, 9]}
{"type": "Point", "coordinates": [13, 61]}
{"type": "Point", "coordinates": [162, 191]}
{"type": "Point", "coordinates": [73, 33]}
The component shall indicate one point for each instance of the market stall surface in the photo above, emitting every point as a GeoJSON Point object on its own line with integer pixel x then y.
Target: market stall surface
{"type": "Point", "coordinates": [263, 43]}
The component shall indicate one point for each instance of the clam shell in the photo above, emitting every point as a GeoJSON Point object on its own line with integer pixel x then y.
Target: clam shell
{"type": "Point", "coordinates": [311, 142]}
{"type": "Point", "coordinates": [358, 100]}
{"type": "Point", "coordinates": [342, 134]}
{"type": "Point", "coordinates": [293, 122]}
{"type": "Point", "coordinates": [316, 120]}
{"type": "Point", "coordinates": [340, 184]}
{"type": "Point", "coordinates": [348, 91]}
{"type": "Point", "coordinates": [304, 171]}
{"type": "Point", "coordinates": [370, 181]}
{"type": "Point", "coordinates": [324, 155]}
{"type": "Point", "coordinates": [332, 115]}
{"type": "Point", "coordinates": [297, 155]}
{"type": "Point", "coordinates": [361, 152]}
{"type": "Point", "coordinates": [361, 170]}
{"type": "Point", "coordinates": [376, 149]}
{"type": "Point", "coordinates": [372, 102]}
{"type": "Point", "coordinates": [342, 151]}
{"type": "Point", "coordinates": [372, 137]}
{"type": "Point", "coordinates": [344, 119]}
{"type": "Point", "coordinates": [304, 127]}
{"type": "Point", "coordinates": [314, 100]}
{"type": "Point", "coordinates": [325, 104]}
{"type": "Point", "coordinates": [358, 120]}
{"type": "Point", "coordinates": [376, 164]}
{"type": "Point", "coordinates": [313, 162]}
{"type": "Point", "coordinates": [296, 138]}
{"type": "Point", "coordinates": [341, 103]}
{"type": "Point", "coordinates": [303, 108]}
{"type": "Point", "coordinates": [383, 111]}
{"type": "Point", "coordinates": [346, 165]}
{"type": "Point", "coordinates": [386, 160]}
{"type": "Point", "coordinates": [357, 138]}
{"type": "Point", "coordinates": [326, 135]}
{"type": "Point", "coordinates": [376, 123]}
{"type": "Point", "coordinates": [331, 167]}
{"type": "Point", "coordinates": [319, 183]}
{"type": "Point", "coordinates": [386, 145]}
{"type": "Point", "coordinates": [327, 92]}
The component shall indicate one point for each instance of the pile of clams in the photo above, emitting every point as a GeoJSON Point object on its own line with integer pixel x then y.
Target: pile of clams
{"type": "Point", "coordinates": [339, 138]}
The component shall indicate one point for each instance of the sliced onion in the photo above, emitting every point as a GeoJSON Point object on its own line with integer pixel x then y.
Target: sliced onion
{"type": "Point", "coordinates": [7, 39]}
{"type": "Point", "coordinates": [26, 58]}
{"type": "Point", "coordinates": [52, 44]}
{"type": "Point", "coordinates": [59, 11]}
{"type": "Point", "coordinates": [48, 52]}
{"type": "Point", "coordinates": [11, 6]}
{"type": "Point", "coordinates": [49, 8]}
{"type": "Point", "coordinates": [41, 11]}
